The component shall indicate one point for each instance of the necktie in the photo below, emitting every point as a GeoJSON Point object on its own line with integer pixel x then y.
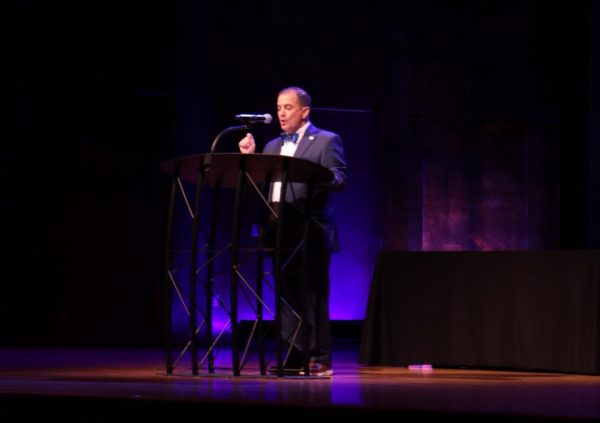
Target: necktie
{"type": "Point", "coordinates": [289, 137]}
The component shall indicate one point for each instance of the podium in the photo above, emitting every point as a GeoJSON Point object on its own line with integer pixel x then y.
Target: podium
{"type": "Point", "coordinates": [235, 171]}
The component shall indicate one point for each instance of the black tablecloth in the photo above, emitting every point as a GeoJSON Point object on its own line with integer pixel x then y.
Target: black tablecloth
{"type": "Point", "coordinates": [530, 310]}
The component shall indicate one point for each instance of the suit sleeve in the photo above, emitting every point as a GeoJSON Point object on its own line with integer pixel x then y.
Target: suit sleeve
{"type": "Point", "coordinates": [333, 158]}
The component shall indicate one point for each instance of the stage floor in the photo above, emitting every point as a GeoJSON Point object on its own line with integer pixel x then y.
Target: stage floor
{"type": "Point", "coordinates": [124, 384]}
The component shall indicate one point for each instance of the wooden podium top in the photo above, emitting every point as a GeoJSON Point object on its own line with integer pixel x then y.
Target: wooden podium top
{"type": "Point", "coordinates": [221, 169]}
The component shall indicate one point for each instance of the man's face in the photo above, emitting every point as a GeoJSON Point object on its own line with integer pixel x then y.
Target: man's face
{"type": "Point", "coordinates": [290, 112]}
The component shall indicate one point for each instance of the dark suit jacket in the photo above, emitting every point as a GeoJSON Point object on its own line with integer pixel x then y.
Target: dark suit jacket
{"type": "Point", "coordinates": [326, 149]}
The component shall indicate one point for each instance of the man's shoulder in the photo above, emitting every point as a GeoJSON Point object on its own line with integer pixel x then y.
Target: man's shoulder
{"type": "Point", "coordinates": [313, 130]}
{"type": "Point", "coordinates": [272, 144]}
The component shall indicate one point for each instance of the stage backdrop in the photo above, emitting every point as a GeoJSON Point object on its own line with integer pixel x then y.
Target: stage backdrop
{"type": "Point", "coordinates": [477, 136]}
{"type": "Point", "coordinates": [471, 140]}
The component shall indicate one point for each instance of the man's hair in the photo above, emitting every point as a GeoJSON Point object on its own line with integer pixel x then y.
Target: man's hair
{"type": "Point", "coordinates": [303, 96]}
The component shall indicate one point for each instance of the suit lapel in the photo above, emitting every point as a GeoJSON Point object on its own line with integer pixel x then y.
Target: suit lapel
{"type": "Point", "coordinates": [307, 141]}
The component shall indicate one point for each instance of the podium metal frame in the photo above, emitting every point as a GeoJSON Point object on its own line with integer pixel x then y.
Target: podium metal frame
{"type": "Point", "coordinates": [236, 171]}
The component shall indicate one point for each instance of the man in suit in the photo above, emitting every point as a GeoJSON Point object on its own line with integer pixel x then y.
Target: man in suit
{"type": "Point", "coordinates": [300, 138]}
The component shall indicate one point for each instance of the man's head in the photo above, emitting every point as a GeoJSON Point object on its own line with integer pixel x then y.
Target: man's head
{"type": "Point", "coordinates": [293, 108]}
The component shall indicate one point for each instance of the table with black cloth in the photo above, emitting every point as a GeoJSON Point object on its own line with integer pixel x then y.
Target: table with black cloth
{"type": "Point", "coordinates": [524, 310]}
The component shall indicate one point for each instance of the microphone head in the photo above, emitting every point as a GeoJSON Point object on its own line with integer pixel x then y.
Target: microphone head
{"type": "Point", "coordinates": [266, 118]}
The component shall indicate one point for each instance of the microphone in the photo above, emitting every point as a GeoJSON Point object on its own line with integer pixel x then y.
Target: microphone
{"type": "Point", "coordinates": [266, 118]}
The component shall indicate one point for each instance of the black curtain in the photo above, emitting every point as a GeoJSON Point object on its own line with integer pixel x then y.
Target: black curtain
{"type": "Point", "coordinates": [483, 137]}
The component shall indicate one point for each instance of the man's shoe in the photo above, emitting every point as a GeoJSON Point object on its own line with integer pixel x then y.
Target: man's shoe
{"type": "Point", "coordinates": [318, 369]}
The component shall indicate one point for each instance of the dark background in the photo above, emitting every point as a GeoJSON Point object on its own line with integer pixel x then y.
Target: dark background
{"type": "Point", "coordinates": [483, 133]}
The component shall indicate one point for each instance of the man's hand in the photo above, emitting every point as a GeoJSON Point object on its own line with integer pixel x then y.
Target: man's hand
{"type": "Point", "coordinates": [247, 144]}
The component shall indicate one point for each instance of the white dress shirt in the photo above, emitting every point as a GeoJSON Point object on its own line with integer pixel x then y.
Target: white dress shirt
{"type": "Point", "coordinates": [289, 149]}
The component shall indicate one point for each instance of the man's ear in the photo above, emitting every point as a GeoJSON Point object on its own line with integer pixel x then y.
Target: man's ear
{"type": "Point", "coordinates": [305, 112]}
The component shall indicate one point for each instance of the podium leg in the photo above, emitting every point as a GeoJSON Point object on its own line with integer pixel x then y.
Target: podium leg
{"type": "Point", "coordinates": [304, 287]}
{"type": "Point", "coordinates": [277, 270]}
{"type": "Point", "coordinates": [167, 289]}
{"type": "Point", "coordinates": [209, 291]}
{"type": "Point", "coordinates": [193, 276]}
{"type": "Point", "coordinates": [235, 245]}
{"type": "Point", "coordinates": [259, 305]}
